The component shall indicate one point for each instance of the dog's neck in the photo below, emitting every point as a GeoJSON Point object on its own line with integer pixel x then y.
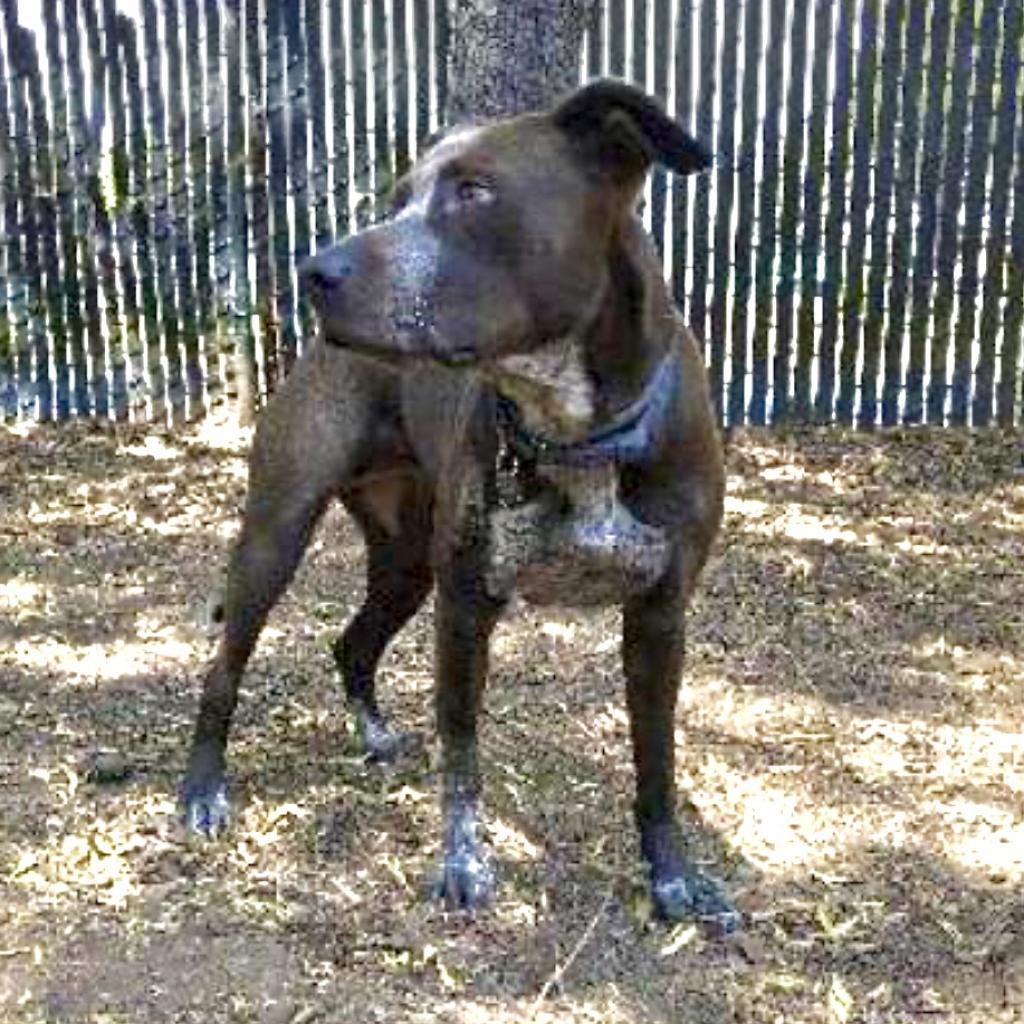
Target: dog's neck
{"type": "Point", "coordinates": [551, 388]}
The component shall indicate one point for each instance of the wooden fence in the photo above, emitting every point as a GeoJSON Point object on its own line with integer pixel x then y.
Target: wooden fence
{"type": "Point", "coordinates": [857, 255]}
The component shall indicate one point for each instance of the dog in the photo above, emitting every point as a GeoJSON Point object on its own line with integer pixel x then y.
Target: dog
{"type": "Point", "coordinates": [505, 399]}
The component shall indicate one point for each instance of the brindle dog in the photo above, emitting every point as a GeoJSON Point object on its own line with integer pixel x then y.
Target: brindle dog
{"type": "Point", "coordinates": [505, 399]}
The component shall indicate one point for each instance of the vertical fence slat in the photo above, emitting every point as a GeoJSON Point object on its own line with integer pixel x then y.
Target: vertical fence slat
{"type": "Point", "coordinates": [954, 149]}
{"type": "Point", "coordinates": [243, 348]}
{"type": "Point", "coordinates": [51, 318]}
{"type": "Point", "coordinates": [259, 204]}
{"type": "Point", "coordinates": [659, 183]}
{"type": "Point", "coordinates": [617, 29]}
{"type": "Point", "coordinates": [421, 31]}
{"type": "Point", "coordinates": [860, 198]}
{"type": "Point", "coordinates": [340, 115]}
{"type": "Point", "coordinates": [400, 84]}
{"type": "Point", "coordinates": [8, 232]}
{"type": "Point", "coordinates": [278, 366]}
{"type": "Point", "coordinates": [219, 361]}
{"type": "Point", "coordinates": [789, 218]}
{"type": "Point", "coordinates": [928, 206]}
{"type": "Point", "coordinates": [161, 216]}
{"type": "Point", "coordinates": [835, 218]}
{"type": "Point", "coordinates": [78, 379]}
{"type": "Point", "coordinates": [85, 154]}
{"type": "Point", "coordinates": [681, 225]}
{"type": "Point", "coordinates": [362, 177]}
{"type": "Point", "coordinates": [152, 390]}
{"type": "Point", "coordinates": [813, 197]}
{"type": "Point", "coordinates": [17, 214]}
{"type": "Point", "coordinates": [708, 86]}
{"type": "Point", "coordinates": [118, 197]}
{"type": "Point", "coordinates": [441, 30]}
{"type": "Point", "coordinates": [382, 173]}
{"type": "Point", "coordinates": [317, 96]}
{"type": "Point", "coordinates": [198, 211]}
{"type": "Point", "coordinates": [743, 253]}
{"type": "Point", "coordinates": [905, 193]}
{"type": "Point", "coordinates": [100, 198]}
{"type": "Point", "coordinates": [1011, 380]}
{"type": "Point", "coordinates": [765, 264]}
{"type": "Point", "coordinates": [996, 249]}
{"type": "Point", "coordinates": [298, 171]}
{"type": "Point", "coordinates": [724, 192]}
{"type": "Point", "coordinates": [32, 368]}
{"type": "Point", "coordinates": [891, 62]}
{"type": "Point", "coordinates": [595, 44]}
{"type": "Point", "coordinates": [965, 332]}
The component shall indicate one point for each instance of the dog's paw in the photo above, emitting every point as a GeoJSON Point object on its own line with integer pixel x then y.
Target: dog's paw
{"type": "Point", "coordinates": [466, 881]}
{"type": "Point", "coordinates": [384, 745]}
{"type": "Point", "coordinates": [207, 808]}
{"type": "Point", "coordinates": [695, 895]}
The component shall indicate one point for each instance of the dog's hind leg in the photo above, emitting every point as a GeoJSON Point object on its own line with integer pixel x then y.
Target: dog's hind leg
{"type": "Point", "coordinates": [398, 580]}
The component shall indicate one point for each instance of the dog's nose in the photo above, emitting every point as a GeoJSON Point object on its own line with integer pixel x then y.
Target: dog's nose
{"type": "Point", "coordinates": [321, 274]}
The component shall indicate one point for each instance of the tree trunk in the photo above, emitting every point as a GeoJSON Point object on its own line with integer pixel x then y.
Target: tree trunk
{"type": "Point", "coordinates": [510, 56]}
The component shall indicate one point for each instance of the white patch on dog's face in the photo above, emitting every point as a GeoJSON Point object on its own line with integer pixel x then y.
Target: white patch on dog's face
{"type": "Point", "coordinates": [552, 388]}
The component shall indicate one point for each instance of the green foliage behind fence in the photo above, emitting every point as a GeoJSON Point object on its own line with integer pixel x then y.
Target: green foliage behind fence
{"type": "Point", "coordinates": [857, 255]}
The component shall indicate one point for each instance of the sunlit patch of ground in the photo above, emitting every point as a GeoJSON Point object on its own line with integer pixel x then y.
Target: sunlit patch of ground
{"type": "Point", "coordinates": [851, 751]}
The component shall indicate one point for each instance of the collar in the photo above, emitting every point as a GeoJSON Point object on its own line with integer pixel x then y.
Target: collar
{"type": "Point", "coordinates": [627, 438]}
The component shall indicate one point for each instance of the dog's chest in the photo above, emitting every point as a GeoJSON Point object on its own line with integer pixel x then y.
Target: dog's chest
{"type": "Point", "coordinates": [553, 550]}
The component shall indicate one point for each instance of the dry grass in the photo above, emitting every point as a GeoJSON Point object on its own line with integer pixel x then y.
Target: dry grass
{"type": "Point", "coordinates": [850, 737]}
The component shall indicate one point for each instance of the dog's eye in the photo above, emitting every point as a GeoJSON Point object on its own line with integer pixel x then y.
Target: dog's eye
{"type": "Point", "coordinates": [470, 191]}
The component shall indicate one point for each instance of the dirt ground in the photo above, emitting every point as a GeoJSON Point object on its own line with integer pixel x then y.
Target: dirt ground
{"type": "Point", "coordinates": [851, 741]}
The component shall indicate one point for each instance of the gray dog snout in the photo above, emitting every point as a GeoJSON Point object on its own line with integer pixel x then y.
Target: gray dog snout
{"type": "Point", "coordinates": [323, 273]}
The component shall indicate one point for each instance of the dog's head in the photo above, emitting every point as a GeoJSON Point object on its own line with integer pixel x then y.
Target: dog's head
{"type": "Point", "coordinates": [499, 236]}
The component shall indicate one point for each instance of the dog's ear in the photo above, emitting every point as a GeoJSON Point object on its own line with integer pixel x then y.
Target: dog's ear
{"type": "Point", "coordinates": [621, 130]}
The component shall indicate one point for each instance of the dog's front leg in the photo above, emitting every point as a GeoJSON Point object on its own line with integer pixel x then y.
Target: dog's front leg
{"type": "Point", "coordinates": [652, 647]}
{"type": "Point", "coordinates": [464, 618]}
